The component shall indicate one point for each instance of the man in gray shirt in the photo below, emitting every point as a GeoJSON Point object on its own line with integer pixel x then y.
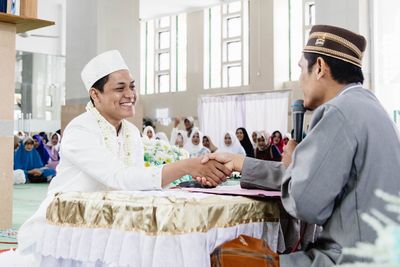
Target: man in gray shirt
{"type": "Point", "coordinates": [351, 149]}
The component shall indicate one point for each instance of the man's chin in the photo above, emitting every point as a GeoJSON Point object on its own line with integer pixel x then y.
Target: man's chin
{"type": "Point", "coordinates": [128, 114]}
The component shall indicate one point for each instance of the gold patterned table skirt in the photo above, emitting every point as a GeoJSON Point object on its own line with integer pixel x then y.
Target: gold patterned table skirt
{"type": "Point", "coordinates": [158, 212]}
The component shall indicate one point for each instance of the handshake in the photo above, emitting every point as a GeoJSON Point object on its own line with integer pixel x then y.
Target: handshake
{"type": "Point", "coordinates": [212, 169]}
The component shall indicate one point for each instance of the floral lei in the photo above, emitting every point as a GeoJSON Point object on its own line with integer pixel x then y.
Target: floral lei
{"type": "Point", "coordinates": [110, 139]}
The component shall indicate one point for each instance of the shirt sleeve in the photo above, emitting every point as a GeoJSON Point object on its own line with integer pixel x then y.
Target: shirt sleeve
{"type": "Point", "coordinates": [84, 149]}
{"type": "Point", "coordinates": [321, 166]}
{"type": "Point", "coordinates": [263, 174]}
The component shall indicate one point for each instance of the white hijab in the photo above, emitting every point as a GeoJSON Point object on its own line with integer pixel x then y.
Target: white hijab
{"type": "Point", "coordinates": [192, 148]}
{"type": "Point", "coordinates": [55, 147]}
{"type": "Point", "coordinates": [144, 133]}
{"type": "Point", "coordinates": [235, 147]}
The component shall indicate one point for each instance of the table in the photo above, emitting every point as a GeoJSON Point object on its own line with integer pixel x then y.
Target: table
{"type": "Point", "coordinates": [169, 228]}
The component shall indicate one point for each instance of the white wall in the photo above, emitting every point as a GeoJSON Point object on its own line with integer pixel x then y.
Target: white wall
{"type": "Point", "coordinates": [353, 15]}
{"type": "Point", "coordinates": [53, 10]}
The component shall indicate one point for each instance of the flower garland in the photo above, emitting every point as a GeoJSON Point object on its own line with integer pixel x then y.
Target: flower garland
{"type": "Point", "coordinates": [386, 249]}
{"type": "Point", "coordinates": [110, 138]}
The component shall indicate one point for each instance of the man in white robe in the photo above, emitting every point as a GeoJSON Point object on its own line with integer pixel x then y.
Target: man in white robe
{"type": "Point", "coordinates": [351, 150]}
{"type": "Point", "coordinates": [102, 151]}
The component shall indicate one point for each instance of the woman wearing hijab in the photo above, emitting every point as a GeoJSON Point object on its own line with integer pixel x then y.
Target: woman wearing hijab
{"type": "Point", "coordinates": [231, 144]}
{"type": "Point", "coordinates": [244, 139]}
{"type": "Point", "coordinates": [179, 139]}
{"type": "Point", "coordinates": [266, 151]}
{"type": "Point", "coordinates": [277, 140]}
{"type": "Point", "coordinates": [189, 126]}
{"type": "Point", "coordinates": [53, 147]}
{"type": "Point", "coordinates": [148, 133]}
{"type": "Point", "coordinates": [209, 144]}
{"type": "Point", "coordinates": [39, 146]}
{"type": "Point", "coordinates": [27, 159]}
{"type": "Point", "coordinates": [195, 145]}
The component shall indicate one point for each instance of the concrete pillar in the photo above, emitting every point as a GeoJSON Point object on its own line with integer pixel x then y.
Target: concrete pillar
{"type": "Point", "coordinates": [7, 85]}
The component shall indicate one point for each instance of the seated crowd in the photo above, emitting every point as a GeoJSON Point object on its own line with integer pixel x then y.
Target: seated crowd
{"type": "Point", "coordinates": [36, 157]}
{"type": "Point", "coordinates": [261, 146]}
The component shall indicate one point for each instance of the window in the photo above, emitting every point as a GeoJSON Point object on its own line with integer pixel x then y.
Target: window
{"type": "Point", "coordinates": [385, 74]}
{"type": "Point", "coordinates": [163, 55]}
{"type": "Point", "coordinates": [299, 30]}
{"type": "Point", "coordinates": [226, 45]}
{"type": "Point", "coordinates": [309, 19]}
{"type": "Point", "coordinates": [162, 116]}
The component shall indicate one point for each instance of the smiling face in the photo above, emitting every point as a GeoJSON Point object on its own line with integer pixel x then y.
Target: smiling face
{"type": "Point", "coordinates": [227, 140]}
{"type": "Point", "coordinates": [117, 101]}
{"type": "Point", "coordinates": [239, 134]}
{"type": "Point", "coordinates": [54, 139]}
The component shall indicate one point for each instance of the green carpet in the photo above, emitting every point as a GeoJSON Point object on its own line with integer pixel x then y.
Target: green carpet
{"type": "Point", "coordinates": [26, 200]}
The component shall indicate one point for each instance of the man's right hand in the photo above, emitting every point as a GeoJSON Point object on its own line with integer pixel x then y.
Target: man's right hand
{"type": "Point", "coordinates": [224, 158]}
{"type": "Point", "coordinates": [213, 171]}
{"type": "Point", "coordinates": [233, 162]}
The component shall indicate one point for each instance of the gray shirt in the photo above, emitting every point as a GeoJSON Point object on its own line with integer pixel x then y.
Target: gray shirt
{"type": "Point", "coordinates": [352, 149]}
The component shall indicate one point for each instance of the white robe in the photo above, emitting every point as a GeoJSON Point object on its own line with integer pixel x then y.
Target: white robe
{"type": "Point", "coordinates": [87, 165]}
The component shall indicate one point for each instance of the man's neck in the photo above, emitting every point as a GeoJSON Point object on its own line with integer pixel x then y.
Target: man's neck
{"type": "Point", "coordinates": [118, 127]}
{"type": "Point", "coordinates": [334, 89]}
{"type": "Point", "coordinates": [116, 123]}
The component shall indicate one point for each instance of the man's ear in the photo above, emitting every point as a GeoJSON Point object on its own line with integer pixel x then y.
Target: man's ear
{"type": "Point", "coordinates": [321, 68]}
{"type": "Point", "coordinates": [93, 93]}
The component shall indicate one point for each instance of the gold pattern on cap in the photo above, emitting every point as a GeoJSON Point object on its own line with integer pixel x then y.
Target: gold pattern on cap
{"type": "Point", "coordinates": [338, 39]}
{"type": "Point", "coordinates": [333, 53]}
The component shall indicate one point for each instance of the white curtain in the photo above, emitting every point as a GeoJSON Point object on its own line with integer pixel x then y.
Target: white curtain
{"type": "Point", "coordinates": [268, 111]}
{"type": "Point", "coordinates": [218, 114]}
{"type": "Point", "coordinates": [263, 111]}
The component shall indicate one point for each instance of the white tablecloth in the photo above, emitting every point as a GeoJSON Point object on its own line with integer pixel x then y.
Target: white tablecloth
{"type": "Point", "coordinates": [155, 229]}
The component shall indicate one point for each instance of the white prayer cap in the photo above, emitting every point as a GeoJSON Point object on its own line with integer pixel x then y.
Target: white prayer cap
{"type": "Point", "coordinates": [102, 65]}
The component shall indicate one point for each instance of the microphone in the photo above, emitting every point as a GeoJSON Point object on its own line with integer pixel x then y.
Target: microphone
{"type": "Point", "coordinates": [298, 118]}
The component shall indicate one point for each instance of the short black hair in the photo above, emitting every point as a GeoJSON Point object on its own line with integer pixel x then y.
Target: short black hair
{"type": "Point", "coordinates": [342, 71]}
{"type": "Point", "coordinates": [99, 85]}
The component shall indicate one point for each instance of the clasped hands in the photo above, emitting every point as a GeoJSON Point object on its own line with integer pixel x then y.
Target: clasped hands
{"type": "Point", "coordinates": [220, 165]}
